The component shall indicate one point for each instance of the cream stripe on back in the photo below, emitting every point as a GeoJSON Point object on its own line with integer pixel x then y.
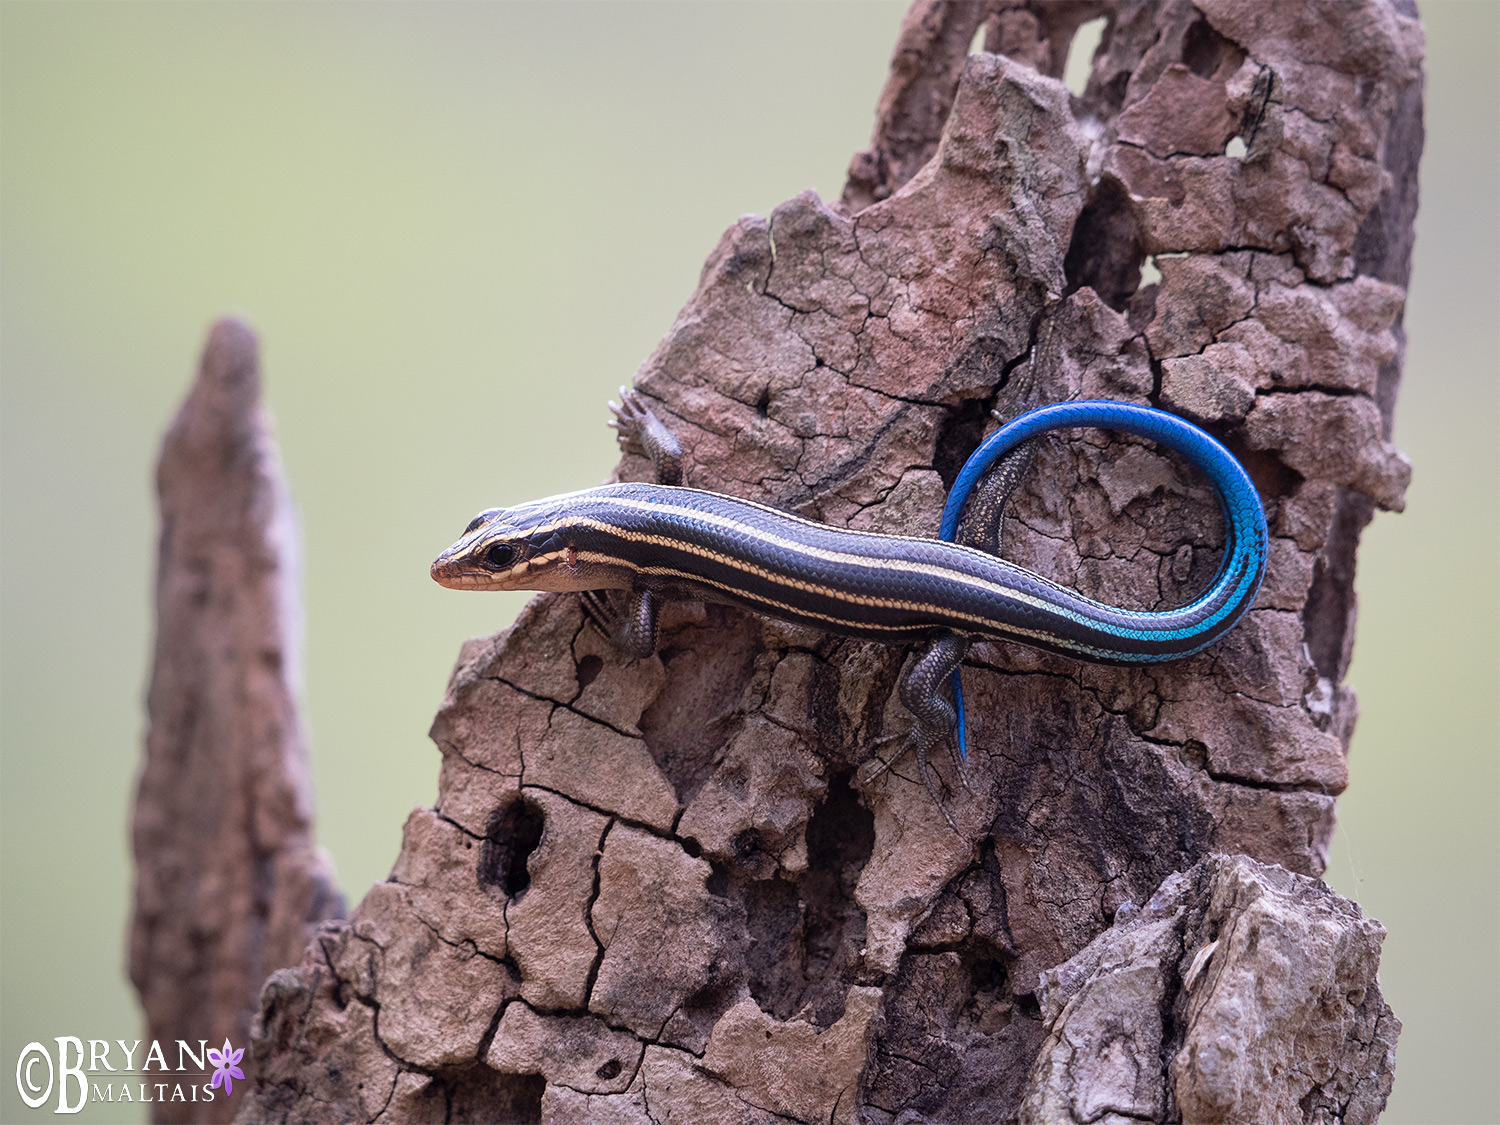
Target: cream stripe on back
{"type": "Point", "coordinates": [841, 558]}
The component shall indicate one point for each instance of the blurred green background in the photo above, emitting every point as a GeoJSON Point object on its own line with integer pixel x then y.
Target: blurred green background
{"type": "Point", "coordinates": [457, 228]}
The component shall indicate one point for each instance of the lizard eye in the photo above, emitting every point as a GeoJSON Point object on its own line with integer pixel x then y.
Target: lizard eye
{"type": "Point", "coordinates": [499, 556]}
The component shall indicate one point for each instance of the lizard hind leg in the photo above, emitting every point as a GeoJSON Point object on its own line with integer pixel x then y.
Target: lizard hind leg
{"type": "Point", "coordinates": [981, 525]}
{"type": "Point", "coordinates": [933, 718]}
{"type": "Point", "coordinates": [982, 521]}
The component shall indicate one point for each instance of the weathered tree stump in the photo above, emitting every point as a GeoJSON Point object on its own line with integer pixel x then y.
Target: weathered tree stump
{"type": "Point", "coordinates": [227, 879]}
{"type": "Point", "coordinates": [656, 890]}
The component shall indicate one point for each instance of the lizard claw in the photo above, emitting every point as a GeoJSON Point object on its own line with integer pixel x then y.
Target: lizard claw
{"type": "Point", "coordinates": [875, 767]}
{"type": "Point", "coordinates": [629, 418]}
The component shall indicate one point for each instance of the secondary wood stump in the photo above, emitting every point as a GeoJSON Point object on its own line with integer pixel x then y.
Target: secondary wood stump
{"type": "Point", "coordinates": [228, 881]}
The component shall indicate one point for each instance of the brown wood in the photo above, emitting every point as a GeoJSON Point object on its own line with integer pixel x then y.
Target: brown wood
{"type": "Point", "coordinates": [658, 890]}
{"type": "Point", "coordinates": [227, 879]}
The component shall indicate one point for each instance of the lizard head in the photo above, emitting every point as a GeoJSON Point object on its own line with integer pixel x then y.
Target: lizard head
{"type": "Point", "coordinates": [530, 547]}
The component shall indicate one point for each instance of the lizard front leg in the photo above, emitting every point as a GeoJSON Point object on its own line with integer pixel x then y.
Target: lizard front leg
{"type": "Point", "coordinates": [640, 431]}
{"type": "Point", "coordinates": [631, 626]}
{"type": "Point", "coordinates": [631, 622]}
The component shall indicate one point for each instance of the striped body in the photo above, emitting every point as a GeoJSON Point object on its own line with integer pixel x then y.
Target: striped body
{"type": "Point", "coordinates": [686, 543]}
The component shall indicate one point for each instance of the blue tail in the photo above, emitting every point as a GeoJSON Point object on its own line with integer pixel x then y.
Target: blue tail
{"type": "Point", "coordinates": [1244, 561]}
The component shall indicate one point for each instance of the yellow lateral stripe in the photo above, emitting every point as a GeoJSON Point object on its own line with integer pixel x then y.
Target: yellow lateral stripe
{"type": "Point", "coordinates": [836, 557]}
{"type": "Point", "coordinates": [991, 625]}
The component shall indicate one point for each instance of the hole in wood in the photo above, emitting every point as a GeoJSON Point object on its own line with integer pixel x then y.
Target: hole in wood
{"type": "Point", "coordinates": [515, 830]}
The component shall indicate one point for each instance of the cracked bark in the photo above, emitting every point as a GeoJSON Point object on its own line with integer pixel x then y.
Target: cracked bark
{"type": "Point", "coordinates": [715, 915]}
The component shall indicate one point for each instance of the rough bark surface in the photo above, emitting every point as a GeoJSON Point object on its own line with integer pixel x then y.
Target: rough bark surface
{"type": "Point", "coordinates": [228, 884]}
{"type": "Point", "coordinates": [1240, 992]}
{"type": "Point", "coordinates": [657, 890]}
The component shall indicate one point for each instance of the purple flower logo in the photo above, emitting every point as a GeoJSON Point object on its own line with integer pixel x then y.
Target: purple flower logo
{"type": "Point", "coordinates": [227, 1069]}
